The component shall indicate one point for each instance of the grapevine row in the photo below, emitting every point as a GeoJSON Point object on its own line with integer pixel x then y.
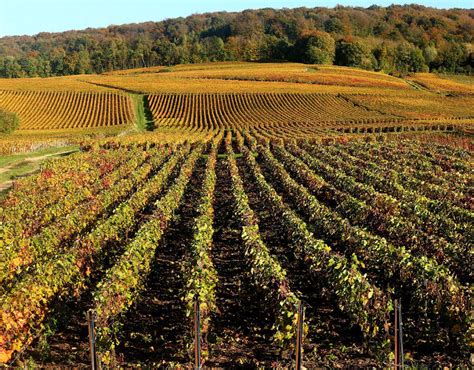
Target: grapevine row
{"type": "Point", "coordinates": [23, 252]}
{"type": "Point", "coordinates": [365, 304]}
{"type": "Point", "coordinates": [211, 111]}
{"type": "Point", "coordinates": [395, 265]}
{"type": "Point", "coordinates": [267, 273]}
{"type": "Point", "coordinates": [120, 286]}
{"type": "Point", "coordinates": [421, 175]}
{"type": "Point", "coordinates": [199, 271]}
{"type": "Point", "coordinates": [34, 210]}
{"type": "Point", "coordinates": [30, 298]}
{"type": "Point", "coordinates": [363, 206]}
{"type": "Point", "coordinates": [417, 207]}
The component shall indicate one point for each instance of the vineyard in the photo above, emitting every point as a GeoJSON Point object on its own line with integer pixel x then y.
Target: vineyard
{"type": "Point", "coordinates": [210, 205]}
{"type": "Point", "coordinates": [290, 115]}
{"type": "Point", "coordinates": [213, 111]}
{"type": "Point", "coordinates": [65, 110]}
{"type": "Point", "coordinates": [280, 99]}
{"type": "Point", "coordinates": [251, 227]}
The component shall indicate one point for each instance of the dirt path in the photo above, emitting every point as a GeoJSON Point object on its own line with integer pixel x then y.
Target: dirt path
{"type": "Point", "coordinates": [34, 159]}
{"type": "Point", "coordinates": [7, 184]}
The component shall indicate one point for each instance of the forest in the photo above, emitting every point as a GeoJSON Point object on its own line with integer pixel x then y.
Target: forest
{"type": "Point", "coordinates": [395, 39]}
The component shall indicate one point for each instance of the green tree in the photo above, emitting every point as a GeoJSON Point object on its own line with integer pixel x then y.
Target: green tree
{"type": "Point", "coordinates": [213, 49]}
{"type": "Point", "coordinates": [168, 53]}
{"type": "Point", "coordinates": [98, 62]}
{"type": "Point", "coordinates": [430, 54]}
{"type": "Point", "coordinates": [274, 48]}
{"type": "Point", "coordinates": [29, 66]}
{"type": "Point", "coordinates": [451, 57]}
{"type": "Point", "coordinates": [195, 52]}
{"type": "Point", "coordinates": [56, 59]}
{"type": "Point", "coordinates": [409, 58]}
{"type": "Point", "coordinates": [44, 68]}
{"type": "Point", "coordinates": [11, 68]}
{"type": "Point", "coordinates": [383, 58]}
{"type": "Point", "coordinates": [354, 54]}
{"type": "Point", "coordinates": [83, 65]}
{"type": "Point", "coordinates": [9, 122]}
{"type": "Point", "coordinates": [334, 25]}
{"type": "Point", "coordinates": [110, 55]}
{"type": "Point", "coordinates": [316, 48]}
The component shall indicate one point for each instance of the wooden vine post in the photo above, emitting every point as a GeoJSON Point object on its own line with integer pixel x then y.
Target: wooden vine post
{"type": "Point", "coordinates": [400, 333]}
{"type": "Point", "coordinates": [90, 316]}
{"type": "Point", "coordinates": [396, 335]}
{"type": "Point", "coordinates": [299, 336]}
{"type": "Point", "coordinates": [197, 333]}
{"type": "Point", "coordinates": [399, 358]}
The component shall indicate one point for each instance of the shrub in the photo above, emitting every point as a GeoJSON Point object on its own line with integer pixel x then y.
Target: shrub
{"type": "Point", "coordinates": [9, 122]}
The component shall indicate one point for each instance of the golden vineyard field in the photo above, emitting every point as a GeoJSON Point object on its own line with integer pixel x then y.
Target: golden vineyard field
{"type": "Point", "coordinates": [214, 111]}
{"type": "Point", "coordinates": [290, 115]}
{"type": "Point", "coordinates": [42, 110]}
{"type": "Point", "coordinates": [238, 191]}
{"type": "Point", "coordinates": [311, 100]}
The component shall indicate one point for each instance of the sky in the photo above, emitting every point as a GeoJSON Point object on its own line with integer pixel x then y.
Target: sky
{"type": "Point", "coordinates": [29, 17]}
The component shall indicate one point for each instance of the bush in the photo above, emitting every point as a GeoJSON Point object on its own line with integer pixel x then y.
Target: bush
{"type": "Point", "coordinates": [165, 70]}
{"type": "Point", "coordinates": [9, 122]}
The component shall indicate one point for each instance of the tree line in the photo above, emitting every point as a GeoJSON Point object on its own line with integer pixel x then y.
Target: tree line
{"type": "Point", "coordinates": [395, 39]}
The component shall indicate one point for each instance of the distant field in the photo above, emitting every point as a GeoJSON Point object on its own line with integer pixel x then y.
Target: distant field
{"type": "Point", "coordinates": [62, 110]}
{"type": "Point", "coordinates": [445, 83]}
{"type": "Point", "coordinates": [214, 111]}
{"type": "Point", "coordinates": [251, 78]}
{"type": "Point", "coordinates": [66, 83]}
{"type": "Point", "coordinates": [292, 73]}
{"type": "Point", "coordinates": [150, 83]}
{"type": "Point", "coordinates": [242, 94]}
{"type": "Point", "coordinates": [276, 72]}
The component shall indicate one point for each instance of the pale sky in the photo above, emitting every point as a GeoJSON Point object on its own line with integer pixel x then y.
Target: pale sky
{"type": "Point", "coordinates": [28, 17]}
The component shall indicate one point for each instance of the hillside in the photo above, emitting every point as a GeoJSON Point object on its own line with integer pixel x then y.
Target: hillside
{"type": "Point", "coordinates": [238, 192]}
{"type": "Point", "coordinates": [398, 39]}
{"type": "Point", "coordinates": [236, 95]}
{"type": "Point", "coordinates": [284, 189]}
